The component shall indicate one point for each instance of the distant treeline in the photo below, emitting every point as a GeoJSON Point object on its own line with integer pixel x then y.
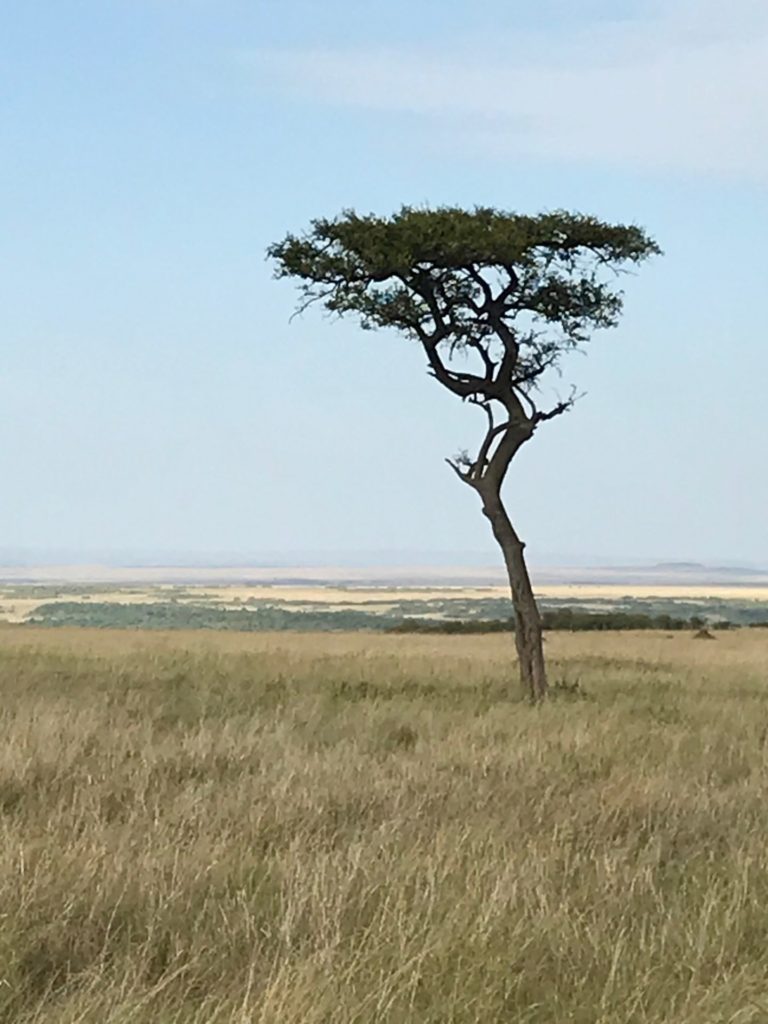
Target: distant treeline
{"type": "Point", "coordinates": [167, 615]}
{"type": "Point", "coordinates": [162, 615]}
{"type": "Point", "coordinates": [561, 618]}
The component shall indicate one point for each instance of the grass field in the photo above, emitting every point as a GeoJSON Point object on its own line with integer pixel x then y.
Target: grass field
{"type": "Point", "coordinates": [200, 828]}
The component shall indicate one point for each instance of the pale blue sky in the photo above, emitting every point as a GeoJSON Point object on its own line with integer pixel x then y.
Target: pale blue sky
{"type": "Point", "coordinates": [154, 397]}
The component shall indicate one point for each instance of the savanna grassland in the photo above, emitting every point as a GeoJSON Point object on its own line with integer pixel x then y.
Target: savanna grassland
{"type": "Point", "coordinates": [344, 607]}
{"type": "Point", "coordinates": [216, 828]}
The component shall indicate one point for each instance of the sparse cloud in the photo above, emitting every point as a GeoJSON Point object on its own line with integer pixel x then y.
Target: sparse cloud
{"type": "Point", "coordinates": [684, 89]}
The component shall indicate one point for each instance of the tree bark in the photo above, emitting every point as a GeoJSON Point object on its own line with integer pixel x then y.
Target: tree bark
{"type": "Point", "coordinates": [528, 634]}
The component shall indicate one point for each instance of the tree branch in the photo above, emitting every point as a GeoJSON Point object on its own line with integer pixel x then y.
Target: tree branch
{"type": "Point", "coordinates": [479, 280]}
{"type": "Point", "coordinates": [462, 384]}
{"type": "Point", "coordinates": [512, 285]}
{"type": "Point", "coordinates": [463, 475]}
{"type": "Point", "coordinates": [310, 298]}
{"type": "Point", "coordinates": [489, 364]}
{"type": "Point", "coordinates": [513, 438]}
{"type": "Point", "coordinates": [526, 398]}
{"type": "Point", "coordinates": [482, 456]}
{"type": "Point", "coordinates": [557, 410]}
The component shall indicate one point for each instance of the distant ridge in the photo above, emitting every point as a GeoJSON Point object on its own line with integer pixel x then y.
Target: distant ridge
{"type": "Point", "coordinates": [717, 570]}
{"type": "Point", "coordinates": [660, 574]}
{"type": "Point", "coordinates": [680, 566]}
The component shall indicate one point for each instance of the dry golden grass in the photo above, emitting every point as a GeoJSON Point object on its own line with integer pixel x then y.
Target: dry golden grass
{"type": "Point", "coordinates": [296, 829]}
{"type": "Point", "coordinates": [17, 609]}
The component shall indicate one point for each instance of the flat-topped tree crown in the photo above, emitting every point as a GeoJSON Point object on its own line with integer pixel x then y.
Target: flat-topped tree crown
{"type": "Point", "coordinates": [513, 291]}
{"type": "Point", "coordinates": [399, 271]}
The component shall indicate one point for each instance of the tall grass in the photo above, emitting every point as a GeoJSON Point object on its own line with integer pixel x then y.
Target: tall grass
{"type": "Point", "coordinates": [200, 829]}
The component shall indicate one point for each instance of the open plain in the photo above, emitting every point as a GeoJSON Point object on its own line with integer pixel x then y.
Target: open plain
{"type": "Point", "coordinates": [18, 602]}
{"type": "Point", "coordinates": [203, 827]}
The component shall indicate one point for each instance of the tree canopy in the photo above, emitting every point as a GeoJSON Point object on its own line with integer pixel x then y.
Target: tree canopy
{"type": "Point", "coordinates": [459, 276]}
{"type": "Point", "coordinates": [516, 290]}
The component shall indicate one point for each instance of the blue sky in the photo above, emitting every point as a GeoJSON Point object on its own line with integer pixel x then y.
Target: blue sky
{"type": "Point", "coordinates": [156, 400]}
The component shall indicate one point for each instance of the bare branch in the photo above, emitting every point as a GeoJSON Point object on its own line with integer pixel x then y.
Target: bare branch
{"type": "Point", "coordinates": [504, 376]}
{"type": "Point", "coordinates": [482, 456]}
{"type": "Point", "coordinates": [526, 398]}
{"type": "Point", "coordinates": [463, 475]}
{"type": "Point", "coordinates": [557, 410]}
{"type": "Point", "coordinates": [512, 439]}
{"type": "Point", "coordinates": [310, 299]}
{"type": "Point", "coordinates": [510, 287]}
{"type": "Point", "coordinates": [489, 364]}
{"type": "Point", "coordinates": [479, 280]}
{"type": "Point", "coordinates": [462, 384]}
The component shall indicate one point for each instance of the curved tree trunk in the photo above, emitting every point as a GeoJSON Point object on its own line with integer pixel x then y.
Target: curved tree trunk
{"type": "Point", "coordinates": [528, 635]}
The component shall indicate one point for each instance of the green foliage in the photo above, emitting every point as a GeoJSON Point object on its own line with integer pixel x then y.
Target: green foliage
{"type": "Point", "coordinates": [402, 619]}
{"type": "Point", "coordinates": [571, 619]}
{"type": "Point", "coordinates": [161, 615]}
{"type": "Point", "coordinates": [452, 626]}
{"type": "Point", "coordinates": [431, 272]}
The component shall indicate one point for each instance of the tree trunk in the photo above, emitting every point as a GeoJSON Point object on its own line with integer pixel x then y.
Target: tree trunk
{"type": "Point", "coordinates": [528, 636]}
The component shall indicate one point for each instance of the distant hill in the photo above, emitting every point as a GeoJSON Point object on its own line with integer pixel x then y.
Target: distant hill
{"type": "Point", "coordinates": [681, 566]}
{"type": "Point", "coordinates": [660, 574]}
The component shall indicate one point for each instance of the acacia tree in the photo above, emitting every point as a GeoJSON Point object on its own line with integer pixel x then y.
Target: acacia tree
{"type": "Point", "coordinates": [495, 300]}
